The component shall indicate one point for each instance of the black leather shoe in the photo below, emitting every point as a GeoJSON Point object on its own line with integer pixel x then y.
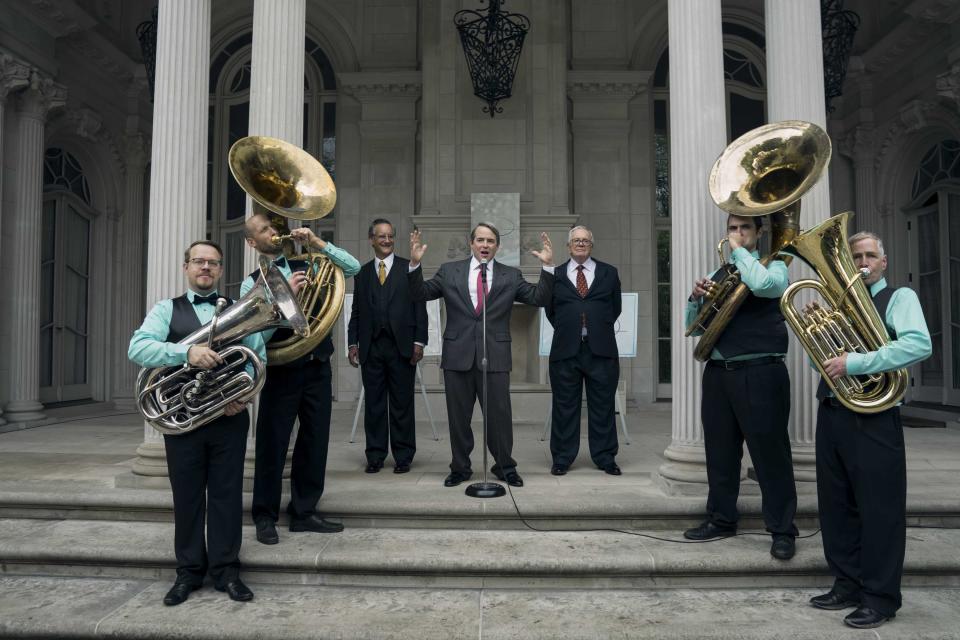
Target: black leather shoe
{"type": "Point", "coordinates": [512, 478]}
{"type": "Point", "coordinates": [833, 601]}
{"type": "Point", "coordinates": [612, 469]}
{"type": "Point", "coordinates": [866, 618]}
{"type": "Point", "coordinates": [267, 532]}
{"type": "Point", "coordinates": [179, 593]}
{"type": "Point", "coordinates": [783, 547]}
{"type": "Point", "coordinates": [237, 590]}
{"type": "Point", "coordinates": [708, 531]}
{"type": "Point", "coordinates": [315, 524]}
{"type": "Point", "coordinates": [374, 467]}
{"type": "Point", "coordinates": [455, 478]}
{"type": "Point", "coordinates": [559, 469]}
{"type": "Point", "coordinates": [402, 467]}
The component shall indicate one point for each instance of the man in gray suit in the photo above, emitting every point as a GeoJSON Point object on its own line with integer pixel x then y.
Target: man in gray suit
{"type": "Point", "coordinates": [466, 286]}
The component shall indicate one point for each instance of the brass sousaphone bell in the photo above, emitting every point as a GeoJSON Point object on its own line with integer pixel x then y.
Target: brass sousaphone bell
{"type": "Point", "coordinates": [286, 180]}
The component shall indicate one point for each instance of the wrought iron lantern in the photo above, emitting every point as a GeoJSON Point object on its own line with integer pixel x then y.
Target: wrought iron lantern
{"type": "Point", "coordinates": [492, 45]}
{"type": "Point", "coordinates": [839, 26]}
{"type": "Point", "coordinates": [147, 35]}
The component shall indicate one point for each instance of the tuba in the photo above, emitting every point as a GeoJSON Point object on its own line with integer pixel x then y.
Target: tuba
{"type": "Point", "coordinates": [848, 323]}
{"type": "Point", "coordinates": [286, 180]}
{"type": "Point", "coordinates": [763, 172]}
{"type": "Point", "coordinates": [179, 399]}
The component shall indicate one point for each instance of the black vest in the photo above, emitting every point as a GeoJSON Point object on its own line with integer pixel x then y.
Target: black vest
{"type": "Point", "coordinates": [322, 351]}
{"type": "Point", "coordinates": [757, 327]}
{"type": "Point", "coordinates": [183, 320]}
{"type": "Point", "coordinates": [381, 315]}
{"type": "Point", "coordinates": [881, 301]}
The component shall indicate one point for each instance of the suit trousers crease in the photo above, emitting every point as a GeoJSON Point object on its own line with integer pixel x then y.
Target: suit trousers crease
{"type": "Point", "coordinates": [463, 390]}
{"type": "Point", "coordinates": [387, 374]}
{"type": "Point", "coordinates": [301, 390]}
{"type": "Point", "coordinates": [567, 379]}
{"type": "Point", "coordinates": [751, 405]}
{"type": "Point", "coordinates": [861, 495]}
{"type": "Point", "coordinates": [205, 467]}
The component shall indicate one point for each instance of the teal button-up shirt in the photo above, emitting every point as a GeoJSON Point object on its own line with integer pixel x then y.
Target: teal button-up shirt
{"type": "Point", "coordinates": [149, 347]}
{"type": "Point", "coordinates": [339, 257]}
{"type": "Point", "coordinates": [764, 281]}
{"type": "Point", "coordinates": [905, 317]}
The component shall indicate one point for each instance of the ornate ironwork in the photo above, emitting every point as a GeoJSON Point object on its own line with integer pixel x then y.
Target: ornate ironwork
{"type": "Point", "coordinates": [147, 35]}
{"type": "Point", "coordinates": [839, 26]}
{"type": "Point", "coordinates": [492, 45]}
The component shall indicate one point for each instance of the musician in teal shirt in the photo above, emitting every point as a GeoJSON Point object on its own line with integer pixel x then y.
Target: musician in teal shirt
{"type": "Point", "coordinates": [205, 466]}
{"type": "Point", "coordinates": [861, 461]}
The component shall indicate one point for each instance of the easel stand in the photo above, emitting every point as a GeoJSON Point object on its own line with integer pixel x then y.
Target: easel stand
{"type": "Point", "coordinates": [426, 403]}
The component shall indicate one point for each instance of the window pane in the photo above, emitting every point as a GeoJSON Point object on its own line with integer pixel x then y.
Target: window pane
{"type": "Point", "coordinates": [928, 232]}
{"type": "Point", "coordinates": [662, 151]}
{"type": "Point", "coordinates": [745, 114]}
{"type": "Point", "coordinates": [239, 123]}
{"type": "Point", "coordinates": [663, 361]}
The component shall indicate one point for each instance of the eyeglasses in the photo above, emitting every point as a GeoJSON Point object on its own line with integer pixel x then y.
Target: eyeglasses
{"type": "Point", "coordinates": [201, 262]}
{"type": "Point", "coordinates": [383, 237]}
{"type": "Point", "coordinates": [582, 242]}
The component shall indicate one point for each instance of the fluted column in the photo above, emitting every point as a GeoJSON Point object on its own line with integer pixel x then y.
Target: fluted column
{"type": "Point", "coordinates": [129, 312]}
{"type": "Point", "coordinates": [178, 177]}
{"type": "Point", "coordinates": [795, 92]}
{"type": "Point", "coordinates": [858, 146]}
{"type": "Point", "coordinates": [34, 103]}
{"type": "Point", "coordinates": [14, 75]}
{"type": "Point", "coordinates": [697, 136]}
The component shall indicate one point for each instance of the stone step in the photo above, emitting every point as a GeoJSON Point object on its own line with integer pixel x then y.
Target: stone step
{"type": "Point", "coordinates": [49, 607]}
{"type": "Point", "coordinates": [378, 557]}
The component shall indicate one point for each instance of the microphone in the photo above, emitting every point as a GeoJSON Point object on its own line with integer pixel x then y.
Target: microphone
{"type": "Point", "coordinates": [483, 269]}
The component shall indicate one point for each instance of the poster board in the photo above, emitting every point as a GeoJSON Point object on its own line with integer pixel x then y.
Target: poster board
{"type": "Point", "coordinates": [434, 340]}
{"type": "Point", "coordinates": [625, 328]}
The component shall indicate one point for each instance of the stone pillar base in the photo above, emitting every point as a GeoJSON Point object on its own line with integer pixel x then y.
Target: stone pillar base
{"type": "Point", "coordinates": [804, 462]}
{"type": "Point", "coordinates": [684, 473]}
{"type": "Point", "coordinates": [151, 460]}
{"type": "Point", "coordinates": [25, 411]}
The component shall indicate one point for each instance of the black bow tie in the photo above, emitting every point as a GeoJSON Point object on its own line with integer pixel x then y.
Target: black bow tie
{"type": "Point", "coordinates": [210, 299]}
{"type": "Point", "coordinates": [280, 261]}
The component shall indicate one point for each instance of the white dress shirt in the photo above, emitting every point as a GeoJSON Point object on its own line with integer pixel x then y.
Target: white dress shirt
{"type": "Point", "coordinates": [472, 279]}
{"type": "Point", "coordinates": [387, 264]}
{"type": "Point", "coordinates": [589, 271]}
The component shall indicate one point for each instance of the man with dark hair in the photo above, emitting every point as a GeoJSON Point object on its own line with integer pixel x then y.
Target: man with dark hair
{"type": "Point", "coordinates": [861, 465]}
{"type": "Point", "coordinates": [205, 465]}
{"type": "Point", "coordinates": [386, 336]}
{"type": "Point", "coordinates": [467, 286]}
{"type": "Point", "coordinates": [746, 397]}
{"type": "Point", "coordinates": [302, 388]}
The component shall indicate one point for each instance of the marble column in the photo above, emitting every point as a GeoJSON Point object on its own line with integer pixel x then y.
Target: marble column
{"type": "Point", "coordinates": [697, 136]}
{"type": "Point", "coordinates": [127, 309]}
{"type": "Point", "coordinates": [34, 103]}
{"type": "Point", "coordinates": [14, 75]}
{"type": "Point", "coordinates": [178, 175]}
{"type": "Point", "coordinates": [795, 92]}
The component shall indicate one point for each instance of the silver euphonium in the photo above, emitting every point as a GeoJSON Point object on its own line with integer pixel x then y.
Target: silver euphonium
{"type": "Point", "coordinates": [179, 399]}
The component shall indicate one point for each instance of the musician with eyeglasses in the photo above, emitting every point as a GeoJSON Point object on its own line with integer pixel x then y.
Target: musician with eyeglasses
{"type": "Point", "coordinates": [861, 463]}
{"type": "Point", "coordinates": [205, 466]}
{"type": "Point", "coordinates": [302, 388]}
{"type": "Point", "coordinates": [746, 398]}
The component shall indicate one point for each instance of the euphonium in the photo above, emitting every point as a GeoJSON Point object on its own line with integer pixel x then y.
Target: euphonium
{"type": "Point", "coordinates": [763, 172]}
{"type": "Point", "coordinates": [848, 324]}
{"type": "Point", "coordinates": [287, 181]}
{"type": "Point", "coordinates": [179, 399]}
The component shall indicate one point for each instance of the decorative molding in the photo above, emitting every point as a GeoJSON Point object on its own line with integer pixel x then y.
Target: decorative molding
{"type": "Point", "coordinates": [606, 85]}
{"type": "Point", "coordinates": [377, 86]}
{"type": "Point", "coordinates": [948, 86]}
{"type": "Point", "coordinates": [135, 152]}
{"type": "Point", "coordinates": [926, 16]}
{"type": "Point", "coordinates": [14, 75]}
{"type": "Point", "coordinates": [88, 123]}
{"type": "Point", "coordinates": [58, 18]}
{"type": "Point", "coordinates": [99, 53]}
{"type": "Point", "coordinates": [858, 144]}
{"type": "Point", "coordinates": [912, 117]}
{"type": "Point", "coordinates": [42, 96]}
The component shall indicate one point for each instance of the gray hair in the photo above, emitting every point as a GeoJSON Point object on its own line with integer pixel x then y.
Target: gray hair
{"type": "Point", "coordinates": [866, 235]}
{"type": "Point", "coordinates": [579, 226]}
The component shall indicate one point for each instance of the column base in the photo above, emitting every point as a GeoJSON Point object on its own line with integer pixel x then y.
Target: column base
{"type": "Point", "coordinates": [804, 462]}
{"type": "Point", "coordinates": [25, 411]}
{"type": "Point", "coordinates": [151, 460]}
{"type": "Point", "coordinates": [684, 473]}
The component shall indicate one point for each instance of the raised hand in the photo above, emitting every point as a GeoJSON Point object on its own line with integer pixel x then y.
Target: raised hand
{"type": "Point", "coordinates": [417, 248]}
{"type": "Point", "coordinates": [306, 237]}
{"type": "Point", "coordinates": [545, 255]}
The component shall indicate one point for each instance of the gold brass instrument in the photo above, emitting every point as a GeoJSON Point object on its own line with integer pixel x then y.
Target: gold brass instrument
{"type": "Point", "coordinates": [763, 172]}
{"type": "Point", "coordinates": [849, 322]}
{"type": "Point", "coordinates": [179, 399]}
{"type": "Point", "coordinates": [286, 180]}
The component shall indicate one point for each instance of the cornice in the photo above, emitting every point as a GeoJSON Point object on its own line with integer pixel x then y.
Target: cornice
{"type": "Point", "coordinates": [606, 85]}
{"type": "Point", "coordinates": [41, 96]}
{"type": "Point", "coordinates": [58, 18]}
{"type": "Point", "coordinates": [925, 17]}
{"type": "Point", "coordinates": [381, 85]}
{"type": "Point", "coordinates": [100, 53]}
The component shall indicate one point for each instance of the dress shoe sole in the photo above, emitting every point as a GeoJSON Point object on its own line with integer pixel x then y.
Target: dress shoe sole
{"type": "Point", "coordinates": [268, 540]}
{"type": "Point", "coordinates": [173, 603]}
{"type": "Point", "coordinates": [326, 530]}
{"type": "Point", "coordinates": [401, 469]}
{"type": "Point", "coordinates": [870, 625]}
{"type": "Point", "coordinates": [244, 598]}
{"type": "Point", "coordinates": [835, 607]}
{"type": "Point", "coordinates": [713, 537]}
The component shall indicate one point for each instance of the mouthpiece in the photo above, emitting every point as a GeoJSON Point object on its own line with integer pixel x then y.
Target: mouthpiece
{"type": "Point", "coordinates": [865, 272]}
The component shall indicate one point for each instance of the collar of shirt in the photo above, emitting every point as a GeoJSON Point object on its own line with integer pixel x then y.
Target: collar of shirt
{"type": "Point", "coordinates": [755, 254]}
{"type": "Point", "coordinates": [475, 264]}
{"type": "Point", "coordinates": [191, 294]}
{"type": "Point", "coordinates": [878, 286]}
{"type": "Point", "coordinates": [589, 265]}
{"type": "Point", "coordinates": [387, 263]}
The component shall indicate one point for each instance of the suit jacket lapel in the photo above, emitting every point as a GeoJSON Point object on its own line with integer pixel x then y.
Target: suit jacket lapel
{"type": "Point", "coordinates": [601, 273]}
{"type": "Point", "coordinates": [460, 278]}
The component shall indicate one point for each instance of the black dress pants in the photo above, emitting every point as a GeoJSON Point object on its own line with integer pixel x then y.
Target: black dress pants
{"type": "Point", "coordinates": [387, 374]}
{"type": "Point", "coordinates": [463, 390]}
{"type": "Point", "coordinates": [862, 498]}
{"type": "Point", "coordinates": [567, 378]}
{"type": "Point", "coordinates": [749, 404]}
{"type": "Point", "coordinates": [206, 476]}
{"type": "Point", "coordinates": [301, 389]}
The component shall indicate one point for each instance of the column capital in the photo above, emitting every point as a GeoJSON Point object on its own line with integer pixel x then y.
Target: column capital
{"type": "Point", "coordinates": [377, 86]}
{"type": "Point", "coordinates": [135, 152]}
{"type": "Point", "coordinates": [14, 75]}
{"type": "Point", "coordinates": [948, 86]}
{"type": "Point", "coordinates": [913, 116]}
{"type": "Point", "coordinates": [858, 145]}
{"type": "Point", "coordinates": [41, 96]}
{"type": "Point", "coordinates": [606, 85]}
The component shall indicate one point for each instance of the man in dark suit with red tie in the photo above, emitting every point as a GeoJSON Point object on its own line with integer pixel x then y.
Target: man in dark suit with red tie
{"type": "Point", "coordinates": [386, 336]}
{"type": "Point", "coordinates": [583, 309]}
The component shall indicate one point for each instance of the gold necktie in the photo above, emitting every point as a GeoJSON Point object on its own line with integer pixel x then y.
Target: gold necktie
{"type": "Point", "coordinates": [383, 272]}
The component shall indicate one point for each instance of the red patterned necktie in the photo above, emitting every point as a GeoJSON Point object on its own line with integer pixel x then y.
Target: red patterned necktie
{"type": "Point", "coordinates": [481, 291]}
{"type": "Point", "coordinates": [581, 282]}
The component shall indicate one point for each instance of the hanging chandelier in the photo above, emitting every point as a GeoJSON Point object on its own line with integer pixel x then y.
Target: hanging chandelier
{"type": "Point", "coordinates": [492, 43]}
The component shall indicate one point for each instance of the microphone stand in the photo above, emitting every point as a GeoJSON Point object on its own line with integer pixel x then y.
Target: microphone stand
{"type": "Point", "coordinates": [485, 488]}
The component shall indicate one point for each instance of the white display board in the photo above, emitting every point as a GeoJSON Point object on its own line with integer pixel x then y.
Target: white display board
{"type": "Point", "coordinates": [625, 328]}
{"type": "Point", "coordinates": [434, 341]}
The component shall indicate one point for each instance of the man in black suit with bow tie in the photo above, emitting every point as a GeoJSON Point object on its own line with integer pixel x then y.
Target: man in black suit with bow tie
{"type": "Point", "coordinates": [386, 336]}
{"type": "Point", "coordinates": [583, 309]}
